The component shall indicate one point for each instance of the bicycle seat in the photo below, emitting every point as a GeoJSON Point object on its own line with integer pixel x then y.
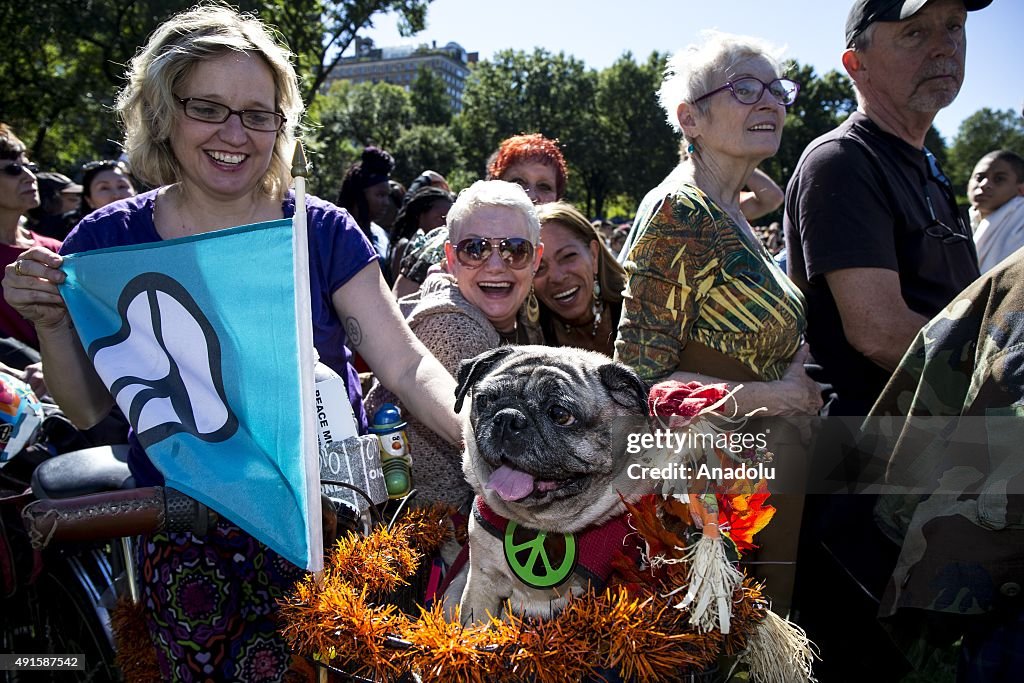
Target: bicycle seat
{"type": "Point", "coordinates": [79, 473]}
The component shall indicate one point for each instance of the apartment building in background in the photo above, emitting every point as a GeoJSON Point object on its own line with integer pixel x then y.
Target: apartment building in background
{"type": "Point", "coordinates": [399, 66]}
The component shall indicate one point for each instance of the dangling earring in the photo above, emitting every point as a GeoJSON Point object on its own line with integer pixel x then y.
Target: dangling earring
{"type": "Point", "coordinates": [597, 306]}
{"type": "Point", "coordinates": [690, 149]}
{"type": "Point", "coordinates": [532, 308]}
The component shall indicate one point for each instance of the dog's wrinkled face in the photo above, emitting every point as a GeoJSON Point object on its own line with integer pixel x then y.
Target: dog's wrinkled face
{"type": "Point", "coordinates": [543, 445]}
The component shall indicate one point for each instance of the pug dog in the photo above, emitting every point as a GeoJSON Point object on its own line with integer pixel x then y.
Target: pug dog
{"type": "Point", "coordinates": [545, 451]}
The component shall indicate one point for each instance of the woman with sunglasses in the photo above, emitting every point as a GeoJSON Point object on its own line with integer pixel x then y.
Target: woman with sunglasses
{"type": "Point", "coordinates": [19, 192]}
{"type": "Point", "coordinates": [704, 300]}
{"type": "Point", "coordinates": [210, 109]}
{"type": "Point", "coordinates": [492, 253]}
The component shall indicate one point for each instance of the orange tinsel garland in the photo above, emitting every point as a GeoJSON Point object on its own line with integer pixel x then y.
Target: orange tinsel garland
{"type": "Point", "coordinates": [630, 627]}
{"type": "Point", "coordinates": [136, 656]}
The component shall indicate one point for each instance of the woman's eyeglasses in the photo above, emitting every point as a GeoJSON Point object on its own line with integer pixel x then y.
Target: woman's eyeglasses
{"type": "Point", "coordinates": [17, 167]}
{"type": "Point", "coordinates": [749, 90]}
{"type": "Point", "coordinates": [473, 252]}
{"type": "Point", "coordinates": [214, 112]}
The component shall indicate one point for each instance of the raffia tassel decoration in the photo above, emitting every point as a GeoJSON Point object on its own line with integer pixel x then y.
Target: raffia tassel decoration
{"type": "Point", "coordinates": [712, 579]}
{"type": "Point", "coordinates": [778, 652]}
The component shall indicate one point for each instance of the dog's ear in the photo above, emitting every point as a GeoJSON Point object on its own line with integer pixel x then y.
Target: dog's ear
{"type": "Point", "coordinates": [624, 386]}
{"type": "Point", "coordinates": [471, 370]}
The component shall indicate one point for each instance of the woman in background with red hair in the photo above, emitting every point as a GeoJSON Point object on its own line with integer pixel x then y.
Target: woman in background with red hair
{"type": "Point", "coordinates": [535, 163]}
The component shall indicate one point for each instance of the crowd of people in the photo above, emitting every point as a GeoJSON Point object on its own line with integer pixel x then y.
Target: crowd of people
{"type": "Point", "coordinates": [407, 283]}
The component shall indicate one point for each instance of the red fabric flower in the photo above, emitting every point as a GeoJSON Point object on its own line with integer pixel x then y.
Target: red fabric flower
{"type": "Point", "coordinates": [672, 398]}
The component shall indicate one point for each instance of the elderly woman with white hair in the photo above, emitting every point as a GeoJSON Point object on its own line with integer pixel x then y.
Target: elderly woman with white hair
{"type": "Point", "coordinates": [704, 300]}
{"type": "Point", "coordinates": [493, 251]}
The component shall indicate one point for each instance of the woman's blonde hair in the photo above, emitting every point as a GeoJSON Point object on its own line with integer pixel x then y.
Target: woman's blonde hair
{"type": "Point", "coordinates": [610, 274]}
{"type": "Point", "coordinates": [148, 104]}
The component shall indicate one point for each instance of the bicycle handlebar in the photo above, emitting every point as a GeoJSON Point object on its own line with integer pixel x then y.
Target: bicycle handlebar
{"type": "Point", "coordinates": [102, 516]}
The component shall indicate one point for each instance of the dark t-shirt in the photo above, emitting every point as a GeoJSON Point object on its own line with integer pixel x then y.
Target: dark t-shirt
{"type": "Point", "coordinates": [337, 251]}
{"type": "Point", "coordinates": [858, 200]}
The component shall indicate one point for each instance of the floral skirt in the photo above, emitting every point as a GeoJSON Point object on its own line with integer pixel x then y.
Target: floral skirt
{"type": "Point", "coordinates": [211, 602]}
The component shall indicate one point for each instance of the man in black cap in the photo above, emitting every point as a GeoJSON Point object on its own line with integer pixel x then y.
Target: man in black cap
{"type": "Point", "coordinates": [878, 247]}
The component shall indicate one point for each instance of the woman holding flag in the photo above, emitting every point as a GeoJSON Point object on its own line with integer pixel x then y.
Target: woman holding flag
{"type": "Point", "coordinates": [210, 111]}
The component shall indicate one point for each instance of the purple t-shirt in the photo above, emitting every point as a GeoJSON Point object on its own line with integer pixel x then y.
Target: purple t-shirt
{"type": "Point", "coordinates": [337, 251]}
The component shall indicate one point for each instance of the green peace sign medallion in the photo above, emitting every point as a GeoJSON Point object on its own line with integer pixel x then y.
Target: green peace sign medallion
{"type": "Point", "coordinates": [537, 559]}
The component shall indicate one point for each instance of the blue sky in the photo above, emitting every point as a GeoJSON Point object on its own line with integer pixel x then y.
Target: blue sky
{"type": "Point", "coordinates": [600, 31]}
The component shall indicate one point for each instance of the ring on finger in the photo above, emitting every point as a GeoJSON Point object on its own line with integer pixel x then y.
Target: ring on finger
{"type": "Point", "coordinates": [17, 267]}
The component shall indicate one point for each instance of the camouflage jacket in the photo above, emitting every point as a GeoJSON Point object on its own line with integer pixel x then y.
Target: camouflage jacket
{"type": "Point", "coordinates": [952, 420]}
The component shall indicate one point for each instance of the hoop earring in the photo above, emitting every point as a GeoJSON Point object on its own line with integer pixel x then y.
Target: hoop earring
{"type": "Point", "coordinates": [597, 307]}
{"type": "Point", "coordinates": [532, 307]}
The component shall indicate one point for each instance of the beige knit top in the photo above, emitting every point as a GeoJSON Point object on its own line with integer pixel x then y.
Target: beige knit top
{"type": "Point", "coordinates": [453, 330]}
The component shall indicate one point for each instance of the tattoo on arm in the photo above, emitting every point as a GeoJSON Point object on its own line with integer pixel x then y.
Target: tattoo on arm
{"type": "Point", "coordinates": [354, 332]}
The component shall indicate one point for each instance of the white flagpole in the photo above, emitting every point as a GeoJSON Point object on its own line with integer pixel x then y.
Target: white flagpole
{"type": "Point", "coordinates": [299, 228]}
{"type": "Point", "coordinates": [300, 245]}
{"type": "Point", "coordinates": [299, 172]}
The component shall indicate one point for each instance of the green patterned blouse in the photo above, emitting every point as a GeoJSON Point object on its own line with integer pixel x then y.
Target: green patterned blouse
{"type": "Point", "coordinates": [694, 274]}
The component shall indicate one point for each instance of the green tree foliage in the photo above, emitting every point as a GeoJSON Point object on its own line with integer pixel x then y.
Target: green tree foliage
{"type": "Point", "coordinates": [420, 148]}
{"type": "Point", "coordinates": [609, 125]}
{"type": "Point", "coordinates": [640, 145]}
{"type": "Point", "coordinates": [430, 100]}
{"type": "Point", "coordinates": [347, 118]}
{"type": "Point", "coordinates": [58, 87]}
{"type": "Point", "coordinates": [980, 133]}
{"type": "Point", "coordinates": [824, 102]}
{"type": "Point", "coordinates": [519, 92]}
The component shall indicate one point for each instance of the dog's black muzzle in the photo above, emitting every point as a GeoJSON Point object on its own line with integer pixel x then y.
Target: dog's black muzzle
{"type": "Point", "coordinates": [509, 428]}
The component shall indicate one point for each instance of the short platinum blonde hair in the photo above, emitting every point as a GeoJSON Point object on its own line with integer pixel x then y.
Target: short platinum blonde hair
{"type": "Point", "coordinates": [147, 105]}
{"type": "Point", "coordinates": [486, 193]}
{"type": "Point", "coordinates": [698, 69]}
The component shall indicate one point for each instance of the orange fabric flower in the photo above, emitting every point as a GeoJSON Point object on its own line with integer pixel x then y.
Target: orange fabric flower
{"type": "Point", "coordinates": [744, 515]}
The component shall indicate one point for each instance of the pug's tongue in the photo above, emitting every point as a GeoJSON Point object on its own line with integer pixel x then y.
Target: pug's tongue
{"type": "Point", "coordinates": [510, 484]}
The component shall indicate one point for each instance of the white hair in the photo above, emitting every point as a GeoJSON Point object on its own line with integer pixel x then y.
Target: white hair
{"type": "Point", "coordinates": [484, 193]}
{"type": "Point", "coordinates": [698, 69]}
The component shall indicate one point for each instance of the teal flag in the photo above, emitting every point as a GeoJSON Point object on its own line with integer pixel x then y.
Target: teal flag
{"type": "Point", "coordinates": [205, 342]}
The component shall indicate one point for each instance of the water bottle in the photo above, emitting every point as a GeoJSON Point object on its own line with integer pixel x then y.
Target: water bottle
{"type": "Point", "coordinates": [395, 454]}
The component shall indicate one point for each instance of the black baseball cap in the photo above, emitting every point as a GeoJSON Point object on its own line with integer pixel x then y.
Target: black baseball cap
{"type": "Point", "coordinates": [866, 12]}
{"type": "Point", "coordinates": [56, 183]}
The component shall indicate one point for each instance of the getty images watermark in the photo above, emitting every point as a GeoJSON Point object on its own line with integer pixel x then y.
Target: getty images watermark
{"type": "Point", "coordinates": [667, 454]}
